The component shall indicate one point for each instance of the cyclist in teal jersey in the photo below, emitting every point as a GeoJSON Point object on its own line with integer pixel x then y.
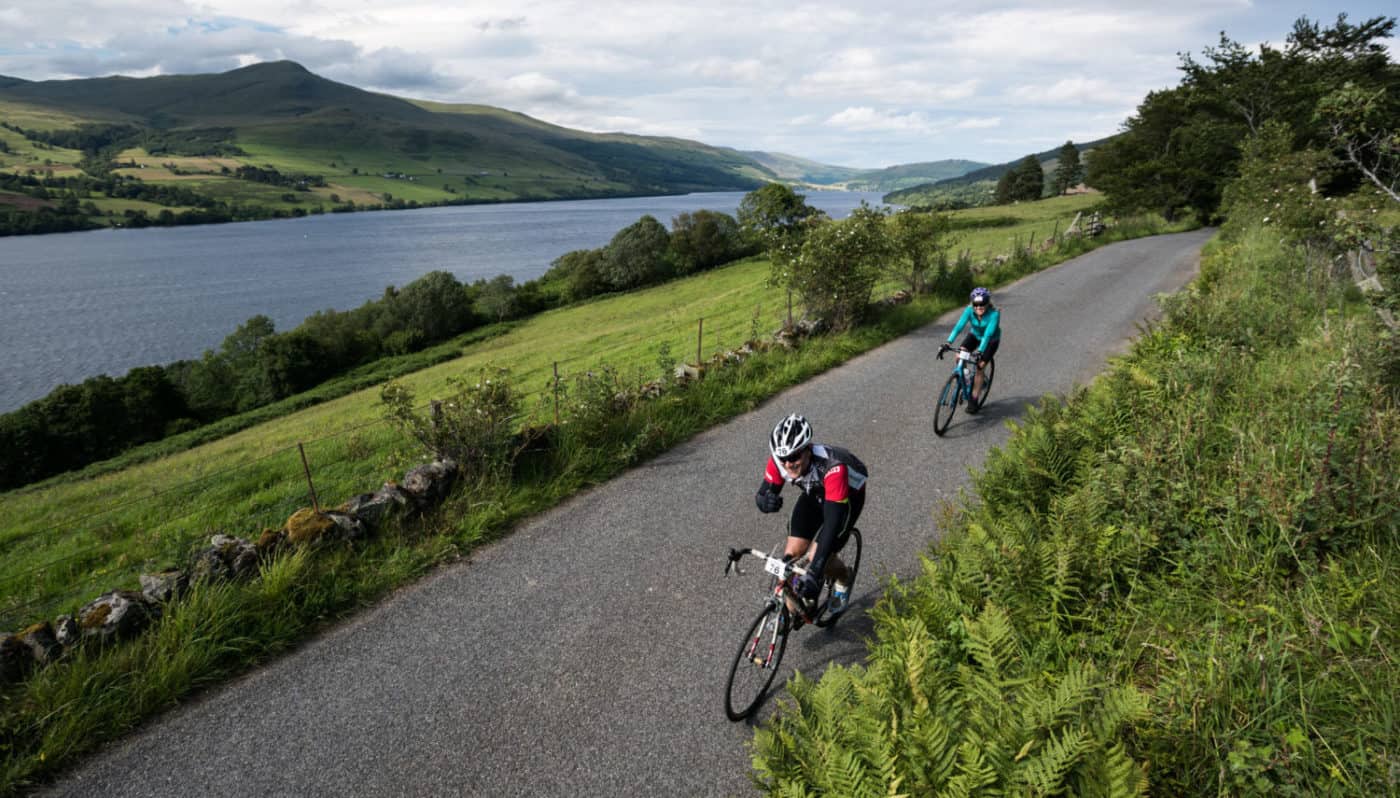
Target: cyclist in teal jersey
{"type": "Point", "coordinates": [983, 321]}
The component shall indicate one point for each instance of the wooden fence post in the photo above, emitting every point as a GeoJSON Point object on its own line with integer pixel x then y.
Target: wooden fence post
{"type": "Point", "coordinates": [556, 393]}
{"type": "Point", "coordinates": [699, 343]}
{"type": "Point", "coordinates": [315, 502]}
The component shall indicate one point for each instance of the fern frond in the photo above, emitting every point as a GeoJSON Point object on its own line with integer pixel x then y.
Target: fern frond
{"type": "Point", "coordinates": [1044, 772]}
{"type": "Point", "coordinates": [991, 641]}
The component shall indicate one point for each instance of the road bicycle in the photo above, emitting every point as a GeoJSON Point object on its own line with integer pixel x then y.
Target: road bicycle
{"type": "Point", "coordinates": [958, 389]}
{"type": "Point", "coordinates": [760, 652]}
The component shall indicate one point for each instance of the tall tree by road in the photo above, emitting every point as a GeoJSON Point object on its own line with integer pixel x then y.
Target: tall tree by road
{"type": "Point", "coordinates": [1069, 172]}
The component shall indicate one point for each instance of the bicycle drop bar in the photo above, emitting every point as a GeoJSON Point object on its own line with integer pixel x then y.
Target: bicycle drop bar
{"type": "Point", "coordinates": [776, 566]}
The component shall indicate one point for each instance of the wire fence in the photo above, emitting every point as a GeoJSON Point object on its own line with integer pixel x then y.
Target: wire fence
{"type": "Point", "coordinates": [56, 564]}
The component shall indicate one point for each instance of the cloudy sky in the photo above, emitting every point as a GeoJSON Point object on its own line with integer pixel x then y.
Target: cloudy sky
{"type": "Point", "coordinates": [852, 83]}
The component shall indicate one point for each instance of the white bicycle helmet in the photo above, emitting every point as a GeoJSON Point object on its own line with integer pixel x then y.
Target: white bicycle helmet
{"type": "Point", "coordinates": [791, 435]}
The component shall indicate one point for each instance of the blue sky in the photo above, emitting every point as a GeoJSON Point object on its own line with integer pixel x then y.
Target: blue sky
{"type": "Point", "coordinates": [855, 84]}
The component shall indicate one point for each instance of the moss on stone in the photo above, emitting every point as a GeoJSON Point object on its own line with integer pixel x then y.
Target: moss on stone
{"type": "Point", "coordinates": [96, 617]}
{"type": "Point", "coordinates": [306, 525]}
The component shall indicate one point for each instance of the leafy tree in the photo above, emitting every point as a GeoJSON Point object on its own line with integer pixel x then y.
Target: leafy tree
{"type": "Point", "coordinates": [151, 402]}
{"type": "Point", "coordinates": [1363, 126]}
{"type": "Point", "coordinates": [207, 385]}
{"type": "Point", "coordinates": [582, 272]}
{"type": "Point", "coordinates": [1169, 158]}
{"type": "Point", "coordinates": [1069, 172]}
{"type": "Point", "coordinates": [436, 305]}
{"type": "Point", "coordinates": [496, 299]}
{"type": "Point", "coordinates": [1029, 183]}
{"type": "Point", "coordinates": [838, 265]}
{"type": "Point", "coordinates": [1023, 182]}
{"type": "Point", "coordinates": [291, 363]}
{"type": "Point", "coordinates": [917, 240]}
{"type": "Point", "coordinates": [704, 239]}
{"type": "Point", "coordinates": [638, 255]}
{"type": "Point", "coordinates": [1182, 145]}
{"type": "Point", "coordinates": [775, 216]}
{"type": "Point", "coordinates": [239, 351]}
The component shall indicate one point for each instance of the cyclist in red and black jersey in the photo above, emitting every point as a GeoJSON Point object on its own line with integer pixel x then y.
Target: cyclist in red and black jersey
{"type": "Point", "coordinates": [832, 481]}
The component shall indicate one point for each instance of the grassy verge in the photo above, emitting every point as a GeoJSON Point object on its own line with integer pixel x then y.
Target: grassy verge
{"type": "Point", "coordinates": [1180, 580]}
{"type": "Point", "coordinates": [73, 537]}
{"type": "Point", "coordinates": [76, 539]}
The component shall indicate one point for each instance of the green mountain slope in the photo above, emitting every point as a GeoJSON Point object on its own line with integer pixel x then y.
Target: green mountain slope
{"type": "Point", "coordinates": [230, 145]}
{"type": "Point", "coordinates": [907, 175]}
{"type": "Point", "coordinates": [975, 183]}
{"type": "Point", "coordinates": [793, 169]}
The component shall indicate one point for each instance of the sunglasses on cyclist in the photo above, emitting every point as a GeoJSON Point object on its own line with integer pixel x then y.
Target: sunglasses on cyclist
{"type": "Point", "coordinates": [793, 458]}
{"type": "Point", "coordinates": [980, 304]}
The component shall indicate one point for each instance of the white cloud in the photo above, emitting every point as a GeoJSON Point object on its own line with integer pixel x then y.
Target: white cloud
{"type": "Point", "coordinates": [748, 70]}
{"type": "Point", "coordinates": [867, 119]}
{"type": "Point", "coordinates": [859, 84]}
{"type": "Point", "coordinates": [1077, 90]}
{"type": "Point", "coordinates": [978, 123]}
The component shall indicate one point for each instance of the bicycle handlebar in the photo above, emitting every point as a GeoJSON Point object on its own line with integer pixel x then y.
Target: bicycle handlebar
{"type": "Point", "coordinates": [776, 566]}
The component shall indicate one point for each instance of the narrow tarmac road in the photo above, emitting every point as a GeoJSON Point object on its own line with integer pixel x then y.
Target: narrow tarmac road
{"type": "Point", "coordinates": [586, 653]}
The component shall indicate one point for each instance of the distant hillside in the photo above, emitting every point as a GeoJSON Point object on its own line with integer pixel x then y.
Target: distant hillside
{"type": "Point", "coordinates": [235, 142]}
{"type": "Point", "coordinates": [974, 185]}
{"type": "Point", "coordinates": [792, 169]}
{"type": "Point", "coordinates": [907, 175]}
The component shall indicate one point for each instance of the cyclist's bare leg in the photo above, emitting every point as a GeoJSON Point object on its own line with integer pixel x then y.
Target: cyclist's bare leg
{"type": "Point", "coordinates": [802, 548]}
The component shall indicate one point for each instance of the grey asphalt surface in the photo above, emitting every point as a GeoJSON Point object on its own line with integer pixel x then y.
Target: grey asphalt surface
{"type": "Point", "coordinates": [585, 654]}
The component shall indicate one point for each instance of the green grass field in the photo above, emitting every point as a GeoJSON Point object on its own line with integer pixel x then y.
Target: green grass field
{"type": "Point", "coordinates": [100, 532]}
{"type": "Point", "coordinates": [77, 536]}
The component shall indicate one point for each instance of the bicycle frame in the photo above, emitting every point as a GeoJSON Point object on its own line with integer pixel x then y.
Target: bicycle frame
{"type": "Point", "coordinates": [760, 652]}
{"type": "Point", "coordinates": [966, 370]}
{"type": "Point", "coordinates": [783, 570]}
{"type": "Point", "coordinates": [958, 390]}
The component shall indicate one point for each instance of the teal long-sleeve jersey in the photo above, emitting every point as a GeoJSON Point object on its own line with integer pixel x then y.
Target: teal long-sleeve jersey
{"type": "Point", "coordinates": [987, 329]}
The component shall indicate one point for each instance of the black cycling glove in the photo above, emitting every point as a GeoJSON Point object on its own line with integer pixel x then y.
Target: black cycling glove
{"type": "Point", "coordinates": [768, 500]}
{"type": "Point", "coordinates": [808, 586]}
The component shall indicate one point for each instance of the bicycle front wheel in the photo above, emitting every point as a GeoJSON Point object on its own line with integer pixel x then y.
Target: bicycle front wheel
{"type": "Point", "coordinates": [756, 663]}
{"type": "Point", "coordinates": [947, 403]}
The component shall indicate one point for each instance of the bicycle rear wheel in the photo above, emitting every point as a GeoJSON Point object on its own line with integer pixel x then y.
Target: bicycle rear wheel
{"type": "Point", "coordinates": [755, 663]}
{"type": "Point", "coordinates": [947, 403]}
{"type": "Point", "coordinates": [852, 560]}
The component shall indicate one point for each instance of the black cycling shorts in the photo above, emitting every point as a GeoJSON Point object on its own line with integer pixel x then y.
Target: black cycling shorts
{"type": "Point", "coordinates": [808, 516]}
{"type": "Point", "coordinates": [971, 343]}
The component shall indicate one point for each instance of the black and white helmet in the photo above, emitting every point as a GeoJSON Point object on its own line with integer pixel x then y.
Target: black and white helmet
{"type": "Point", "coordinates": [792, 435]}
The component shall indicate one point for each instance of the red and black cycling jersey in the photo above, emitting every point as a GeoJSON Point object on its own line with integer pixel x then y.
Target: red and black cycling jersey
{"type": "Point", "coordinates": [834, 474]}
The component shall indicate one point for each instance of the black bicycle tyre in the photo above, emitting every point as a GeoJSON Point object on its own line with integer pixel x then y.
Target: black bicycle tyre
{"type": "Point", "coordinates": [742, 661]}
{"type": "Point", "coordinates": [945, 407]}
{"type": "Point", "coordinates": [988, 372]}
{"type": "Point", "coordinates": [825, 619]}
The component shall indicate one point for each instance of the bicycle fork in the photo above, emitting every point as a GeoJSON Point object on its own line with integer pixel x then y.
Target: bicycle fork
{"type": "Point", "coordinates": [755, 653]}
